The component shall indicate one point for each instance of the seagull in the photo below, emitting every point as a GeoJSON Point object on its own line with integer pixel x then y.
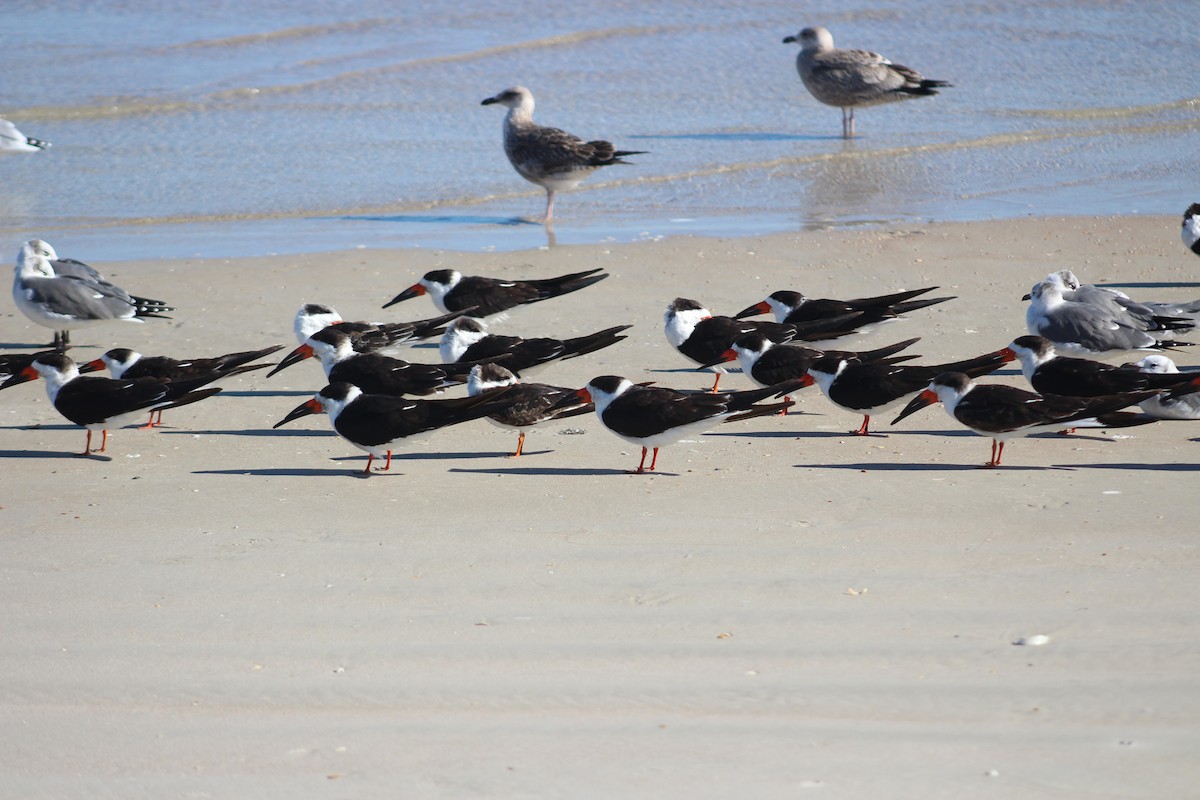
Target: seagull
{"type": "Point", "coordinates": [653, 416]}
{"type": "Point", "coordinates": [378, 423]}
{"type": "Point", "coordinates": [466, 339]}
{"type": "Point", "coordinates": [525, 405]}
{"type": "Point", "coordinates": [13, 141]}
{"type": "Point", "coordinates": [851, 78]}
{"type": "Point", "coordinates": [1191, 228]}
{"type": "Point", "coordinates": [1085, 329]}
{"type": "Point", "coordinates": [64, 294]}
{"type": "Point", "coordinates": [1006, 412]}
{"type": "Point", "coordinates": [1167, 315]}
{"type": "Point", "coordinates": [1050, 373]}
{"type": "Point", "coordinates": [367, 336]}
{"type": "Point", "coordinates": [101, 403]}
{"type": "Point", "coordinates": [452, 291]}
{"type": "Point", "coordinates": [549, 157]}
{"type": "Point", "coordinates": [1169, 405]}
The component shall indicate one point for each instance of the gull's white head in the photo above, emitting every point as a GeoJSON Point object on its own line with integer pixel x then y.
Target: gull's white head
{"type": "Point", "coordinates": [517, 98]}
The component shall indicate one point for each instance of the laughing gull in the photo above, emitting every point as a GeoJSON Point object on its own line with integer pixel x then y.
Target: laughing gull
{"type": "Point", "coordinates": [1191, 228]}
{"type": "Point", "coordinates": [851, 78]}
{"type": "Point", "coordinates": [1183, 405]}
{"type": "Point", "coordinates": [1085, 329]}
{"type": "Point", "coordinates": [13, 141]}
{"type": "Point", "coordinates": [1177, 316]}
{"type": "Point", "coordinates": [63, 294]}
{"type": "Point", "coordinates": [549, 157]}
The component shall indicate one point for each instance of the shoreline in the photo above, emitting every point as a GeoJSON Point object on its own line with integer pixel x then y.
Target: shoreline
{"type": "Point", "coordinates": [218, 607]}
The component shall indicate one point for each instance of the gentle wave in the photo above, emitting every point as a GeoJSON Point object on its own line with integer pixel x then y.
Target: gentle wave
{"type": "Point", "coordinates": [140, 106]}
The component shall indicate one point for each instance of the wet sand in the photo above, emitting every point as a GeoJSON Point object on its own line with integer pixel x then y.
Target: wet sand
{"type": "Point", "coordinates": [220, 609]}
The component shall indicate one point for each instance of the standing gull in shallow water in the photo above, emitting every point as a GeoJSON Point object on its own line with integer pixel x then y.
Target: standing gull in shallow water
{"type": "Point", "coordinates": [851, 78]}
{"type": "Point", "coordinates": [13, 141]}
{"type": "Point", "coordinates": [549, 157]}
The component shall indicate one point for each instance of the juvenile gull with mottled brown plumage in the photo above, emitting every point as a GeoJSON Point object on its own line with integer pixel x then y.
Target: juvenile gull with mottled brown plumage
{"type": "Point", "coordinates": [549, 157]}
{"type": "Point", "coordinates": [852, 78]}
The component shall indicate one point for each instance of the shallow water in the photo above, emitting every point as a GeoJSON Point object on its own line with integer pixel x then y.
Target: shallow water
{"type": "Point", "coordinates": [261, 127]}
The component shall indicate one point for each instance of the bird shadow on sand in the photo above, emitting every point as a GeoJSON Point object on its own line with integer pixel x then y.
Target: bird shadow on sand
{"type": "Point", "coordinates": [1152, 285]}
{"type": "Point", "coordinates": [909, 466]}
{"type": "Point", "coordinates": [297, 472]}
{"type": "Point", "coordinates": [1142, 467]}
{"type": "Point", "coordinates": [54, 454]}
{"type": "Point", "coordinates": [834, 434]}
{"type": "Point", "coordinates": [295, 432]}
{"type": "Point", "coordinates": [554, 471]}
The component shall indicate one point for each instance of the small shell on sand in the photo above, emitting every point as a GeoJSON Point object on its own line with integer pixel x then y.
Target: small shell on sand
{"type": "Point", "coordinates": [1036, 640]}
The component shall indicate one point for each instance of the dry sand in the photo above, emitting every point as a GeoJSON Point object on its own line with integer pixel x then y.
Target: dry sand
{"type": "Point", "coordinates": [217, 609]}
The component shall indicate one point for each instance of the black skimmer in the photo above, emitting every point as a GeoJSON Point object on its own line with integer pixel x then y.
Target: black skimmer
{"type": "Point", "coordinates": [1050, 373]}
{"type": "Point", "coordinates": [652, 417]}
{"type": "Point", "coordinates": [872, 389]}
{"type": "Point", "coordinates": [64, 294]}
{"type": "Point", "coordinates": [13, 141]}
{"type": "Point", "coordinates": [373, 373]}
{"type": "Point", "coordinates": [1182, 403]}
{"type": "Point", "coordinates": [196, 372]}
{"type": "Point", "coordinates": [862, 313]}
{"type": "Point", "coordinates": [377, 423]}
{"type": "Point", "coordinates": [524, 405]}
{"type": "Point", "coordinates": [551, 158]}
{"type": "Point", "coordinates": [12, 363]}
{"type": "Point", "coordinates": [703, 338]}
{"type": "Point", "coordinates": [1006, 412]}
{"type": "Point", "coordinates": [849, 79]}
{"type": "Point", "coordinates": [452, 291]}
{"type": "Point", "coordinates": [101, 403]}
{"type": "Point", "coordinates": [367, 336]}
{"type": "Point", "coordinates": [467, 340]}
{"type": "Point", "coordinates": [767, 363]}
{"type": "Point", "coordinates": [1081, 328]}
{"type": "Point", "coordinates": [1191, 228]}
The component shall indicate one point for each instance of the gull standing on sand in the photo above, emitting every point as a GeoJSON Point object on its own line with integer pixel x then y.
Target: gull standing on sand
{"type": "Point", "coordinates": [549, 157]}
{"type": "Point", "coordinates": [1167, 315]}
{"type": "Point", "coordinates": [851, 78]}
{"type": "Point", "coordinates": [63, 294]}
{"type": "Point", "coordinates": [13, 141]}
{"type": "Point", "coordinates": [1191, 228]}
{"type": "Point", "coordinates": [1085, 329]}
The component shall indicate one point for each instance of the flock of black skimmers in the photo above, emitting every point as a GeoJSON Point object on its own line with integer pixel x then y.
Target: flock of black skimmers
{"type": "Point", "coordinates": [375, 400]}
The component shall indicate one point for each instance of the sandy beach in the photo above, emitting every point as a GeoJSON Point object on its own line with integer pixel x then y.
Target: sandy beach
{"type": "Point", "coordinates": [219, 609]}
